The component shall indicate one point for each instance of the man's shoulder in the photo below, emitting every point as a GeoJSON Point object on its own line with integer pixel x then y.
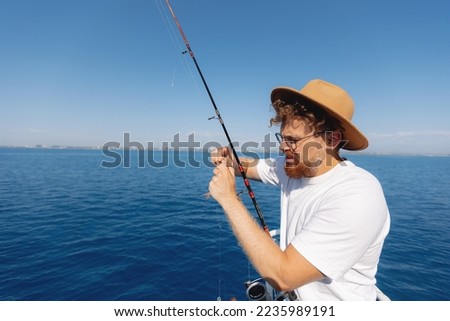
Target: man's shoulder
{"type": "Point", "coordinates": [352, 171]}
{"type": "Point", "coordinates": [352, 177]}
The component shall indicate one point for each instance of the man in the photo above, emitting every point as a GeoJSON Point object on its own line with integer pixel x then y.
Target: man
{"type": "Point", "coordinates": [334, 216]}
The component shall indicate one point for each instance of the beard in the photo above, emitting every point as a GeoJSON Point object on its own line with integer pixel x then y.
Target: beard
{"type": "Point", "coordinates": [297, 168]}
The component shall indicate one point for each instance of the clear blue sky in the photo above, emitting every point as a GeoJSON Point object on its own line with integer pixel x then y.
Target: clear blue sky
{"type": "Point", "coordinates": [84, 72]}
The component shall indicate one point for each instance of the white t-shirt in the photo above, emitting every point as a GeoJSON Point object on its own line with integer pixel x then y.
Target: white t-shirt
{"type": "Point", "coordinates": [338, 221]}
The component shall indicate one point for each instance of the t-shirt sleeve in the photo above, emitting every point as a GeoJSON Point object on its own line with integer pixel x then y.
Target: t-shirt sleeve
{"type": "Point", "coordinates": [268, 171]}
{"type": "Point", "coordinates": [344, 227]}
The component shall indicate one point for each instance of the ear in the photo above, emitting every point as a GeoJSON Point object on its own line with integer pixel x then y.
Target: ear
{"type": "Point", "coordinates": [333, 138]}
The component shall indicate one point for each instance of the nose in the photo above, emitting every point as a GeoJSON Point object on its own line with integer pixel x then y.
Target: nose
{"type": "Point", "coordinates": [284, 147]}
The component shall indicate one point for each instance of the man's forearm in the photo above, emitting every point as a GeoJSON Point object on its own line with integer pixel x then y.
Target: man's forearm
{"type": "Point", "coordinates": [249, 166]}
{"type": "Point", "coordinates": [262, 251]}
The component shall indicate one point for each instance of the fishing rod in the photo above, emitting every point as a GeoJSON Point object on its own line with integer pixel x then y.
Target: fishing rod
{"type": "Point", "coordinates": [219, 117]}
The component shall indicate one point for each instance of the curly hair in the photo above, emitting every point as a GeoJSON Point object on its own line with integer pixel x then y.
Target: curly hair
{"type": "Point", "coordinates": [315, 117]}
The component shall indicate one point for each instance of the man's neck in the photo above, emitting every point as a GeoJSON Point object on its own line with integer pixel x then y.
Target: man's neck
{"type": "Point", "coordinates": [326, 165]}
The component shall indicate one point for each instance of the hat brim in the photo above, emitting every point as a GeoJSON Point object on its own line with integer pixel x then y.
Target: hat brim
{"type": "Point", "coordinates": [355, 140]}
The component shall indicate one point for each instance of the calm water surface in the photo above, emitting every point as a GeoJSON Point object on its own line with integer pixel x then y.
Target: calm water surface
{"type": "Point", "coordinates": [73, 230]}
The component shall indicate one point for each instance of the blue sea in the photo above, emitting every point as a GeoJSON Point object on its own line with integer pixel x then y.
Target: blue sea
{"type": "Point", "coordinates": [71, 229]}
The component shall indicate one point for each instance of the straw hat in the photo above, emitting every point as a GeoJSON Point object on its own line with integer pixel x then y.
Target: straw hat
{"type": "Point", "coordinates": [334, 100]}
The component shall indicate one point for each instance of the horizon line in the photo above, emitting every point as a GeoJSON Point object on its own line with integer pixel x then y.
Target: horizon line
{"type": "Point", "coordinates": [74, 147]}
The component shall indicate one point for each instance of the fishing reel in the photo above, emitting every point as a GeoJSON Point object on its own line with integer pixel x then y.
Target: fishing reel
{"type": "Point", "coordinates": [257, 290]}
{"type": "Point", "coordinates": [260, 290]}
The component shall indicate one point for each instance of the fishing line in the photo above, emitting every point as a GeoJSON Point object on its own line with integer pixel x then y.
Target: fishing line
{"type": "Point", "coordinates": [177, 45]}
{"type": "Point", "coordinates": [219, 117]}
{"type": "Point", "coordinates": [168, 26]}
{"type": "Point", "coordinates": [173, 76]}
{"type": "Point", "coordinates": [219, 220]}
